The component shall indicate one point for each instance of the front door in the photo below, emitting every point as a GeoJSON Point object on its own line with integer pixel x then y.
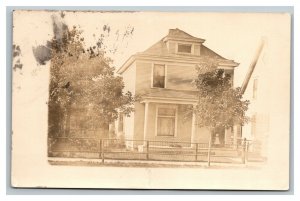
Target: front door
{"type": "Point", "coordinates": [218, 138]}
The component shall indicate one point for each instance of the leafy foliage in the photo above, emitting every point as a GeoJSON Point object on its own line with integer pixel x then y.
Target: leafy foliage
{"type": "Point", "coordinates": [83, 77]}
{"type": "Point", "coordinates": [219, 104]}
{"type": "Point", "coordinates": [16, 57]}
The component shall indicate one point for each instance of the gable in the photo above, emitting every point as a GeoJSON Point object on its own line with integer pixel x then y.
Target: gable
{"type": "Point", "coordinates": [160, 49]}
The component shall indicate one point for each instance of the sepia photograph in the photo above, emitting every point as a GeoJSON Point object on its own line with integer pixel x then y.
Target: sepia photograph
{"type": "Point", "coordinates": [151, 100]}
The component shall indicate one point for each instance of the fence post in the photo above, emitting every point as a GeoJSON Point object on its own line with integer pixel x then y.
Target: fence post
{"type": "Point", "coordinates": [196, 152]}
{"type": "Point", "coordinates": [244, 150]}
{"type": "Point", "coordinates": [147, 153]}
{"type": "Point", "coordinates": [102, 150]}
{"type": "Point", "coordinates": [100, 147]}
{"type": "Point", "coordinates": [208, 152]}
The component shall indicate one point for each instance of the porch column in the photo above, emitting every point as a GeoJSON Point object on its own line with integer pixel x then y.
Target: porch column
{"type": "Point", "coordinates": [227, 136]}
{"type": "Point", "coordinates": [236, 133]}
{"type": "Point", "coordinates": [146, 120]}
{"type": "Point", "coordinates": [193, 134]}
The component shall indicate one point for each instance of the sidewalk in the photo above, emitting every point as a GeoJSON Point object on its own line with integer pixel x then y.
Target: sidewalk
{"type": "Point", "coordinates": [149, 163]}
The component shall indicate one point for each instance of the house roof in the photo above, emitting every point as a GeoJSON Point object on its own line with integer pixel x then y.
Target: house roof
{"type": "Point", "coordinates": [178, 34]}
{"type": "Point", "coordinates": [160, 50]}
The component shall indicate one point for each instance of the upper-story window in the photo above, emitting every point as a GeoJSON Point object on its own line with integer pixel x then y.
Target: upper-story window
{"type": "Point", "coordinates": [159, 76]}
{"type": "Point", "coordinates": [229, 73]}
{"type": "Point", "coordinates": [184, 48]}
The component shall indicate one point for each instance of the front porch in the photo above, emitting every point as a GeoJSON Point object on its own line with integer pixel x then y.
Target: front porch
{"type": "Point", "coordinates": [171, 119]}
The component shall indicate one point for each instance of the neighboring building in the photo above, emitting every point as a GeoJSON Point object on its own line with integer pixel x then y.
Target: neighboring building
{"type": "Point", "coordinates": [163, 75]}
{"type": "Point", "coordinates": [256, 88]}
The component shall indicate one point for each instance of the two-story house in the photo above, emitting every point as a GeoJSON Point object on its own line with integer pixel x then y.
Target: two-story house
{"type": "Point", "coordinates": [163, 76]}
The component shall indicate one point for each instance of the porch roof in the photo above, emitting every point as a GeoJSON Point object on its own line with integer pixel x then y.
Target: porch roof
{"type": "Point", "coordinates": [171, 96]}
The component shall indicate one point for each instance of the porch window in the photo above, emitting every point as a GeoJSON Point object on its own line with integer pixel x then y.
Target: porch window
{"type": "Point", "coordinates": [159, 76]}
{"type": "Point", "coordinates": [166, 121]}
{"type": "Point", "coordinates": [184, 48]}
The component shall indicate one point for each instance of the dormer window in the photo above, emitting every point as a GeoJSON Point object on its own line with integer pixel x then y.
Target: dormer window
{"type": "Point", "coordinates": [184, 48]}
{"type": "Point", "coordinates": [159, 76]}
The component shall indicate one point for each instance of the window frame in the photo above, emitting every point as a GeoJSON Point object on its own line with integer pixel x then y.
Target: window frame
{"type": "Point", "coordinates": [152, 75]}
{"type": "Point", "coordinates": [175, 118]}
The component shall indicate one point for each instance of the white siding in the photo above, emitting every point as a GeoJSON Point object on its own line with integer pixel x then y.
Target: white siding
{"type": "Point", "coordinates": [129, 78]}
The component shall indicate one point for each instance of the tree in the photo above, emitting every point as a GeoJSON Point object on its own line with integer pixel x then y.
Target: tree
{"type": "Point", "coordinates": [219, 104]}
{"type": "Point", "coordinates": [82, 77]}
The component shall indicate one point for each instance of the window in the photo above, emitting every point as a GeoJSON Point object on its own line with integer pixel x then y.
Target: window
{"type": "Point", "coordinates": [184, 48]}
{"type": "Point", "coordinates": [166, 121]}
{"type": "Point", "coordinates": [229, 73]}
{"type": "Point", "coordinates": [158, 76]}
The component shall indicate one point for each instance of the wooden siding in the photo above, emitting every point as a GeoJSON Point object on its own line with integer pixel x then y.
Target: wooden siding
{"type": "Point", "coordinates": [197, 50]}
{"type": "Point", "coordinates": [181, 77]}
{"type": "Point", "coordinates": [143, 77]}
{"type": "Point", "coordinates": [172, 47]}
{"type": "Point", "coordinates": [130, 85]}
{"type": "Point", "coordinates": [178, 77]}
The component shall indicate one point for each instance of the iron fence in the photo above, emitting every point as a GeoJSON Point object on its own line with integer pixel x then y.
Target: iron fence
{"type": "Point", "coordinates": [147, 150]}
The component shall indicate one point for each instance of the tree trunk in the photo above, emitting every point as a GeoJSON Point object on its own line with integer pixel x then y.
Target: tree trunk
{"type": "Point", "coordinates": [209, 146]}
